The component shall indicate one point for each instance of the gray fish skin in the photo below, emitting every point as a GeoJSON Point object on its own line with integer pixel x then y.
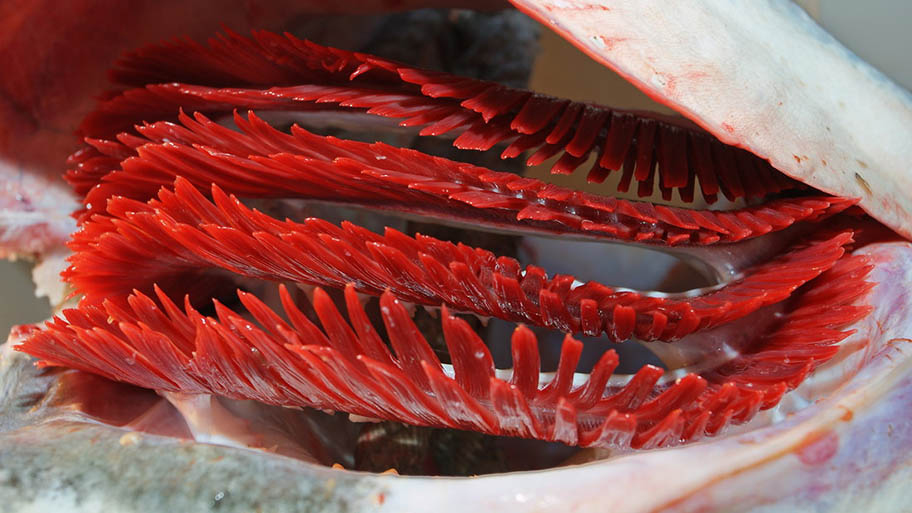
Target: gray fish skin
{"type": "Point", "coordinates": [55, 459]}
{"type": "Point", "coordinates": [77, 467]}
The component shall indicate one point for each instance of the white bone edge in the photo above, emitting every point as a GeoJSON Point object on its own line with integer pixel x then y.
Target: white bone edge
{"type": "Point", "coordinates": [797, 464]}
{"type": "Point", "coordinates": [762, 75]}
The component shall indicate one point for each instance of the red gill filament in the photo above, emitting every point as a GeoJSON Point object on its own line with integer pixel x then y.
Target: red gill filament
{"type": "Point", "coordinates": [161, 211]}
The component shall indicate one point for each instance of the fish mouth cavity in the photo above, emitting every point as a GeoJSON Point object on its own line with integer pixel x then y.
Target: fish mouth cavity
{"type": "Point", "coordinates": [162, 211]}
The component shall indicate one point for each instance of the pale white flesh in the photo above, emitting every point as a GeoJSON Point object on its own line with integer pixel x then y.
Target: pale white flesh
{"type": "Point", "coordinates": [762, 75]}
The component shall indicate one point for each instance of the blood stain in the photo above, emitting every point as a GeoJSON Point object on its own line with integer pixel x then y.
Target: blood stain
{"type": "Point", "coordinates": [818, 448]}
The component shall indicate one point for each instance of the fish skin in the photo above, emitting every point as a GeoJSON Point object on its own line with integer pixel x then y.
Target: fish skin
{"type": "Point", "coordinates": [79, 467]}
{"type": "Point", "coordinates": [60, 459]}
{"type": "Point", "coordinates": [22, 385]}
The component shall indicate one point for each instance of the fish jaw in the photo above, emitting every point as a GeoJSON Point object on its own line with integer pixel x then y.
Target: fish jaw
{"type": "Point", "coordinates": [847, 452]}
{"type": "Point", "coordinates": [760, 75]}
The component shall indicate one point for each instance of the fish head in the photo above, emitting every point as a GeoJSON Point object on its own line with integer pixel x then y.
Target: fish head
{"type": "Point", "coordinates": [787, 390]}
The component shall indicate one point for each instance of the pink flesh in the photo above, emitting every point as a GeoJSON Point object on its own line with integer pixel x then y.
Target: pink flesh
{"type": "Point", "coordinates": [763, 76]}
{"type": "Point", "coordinates": [34, 211]}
